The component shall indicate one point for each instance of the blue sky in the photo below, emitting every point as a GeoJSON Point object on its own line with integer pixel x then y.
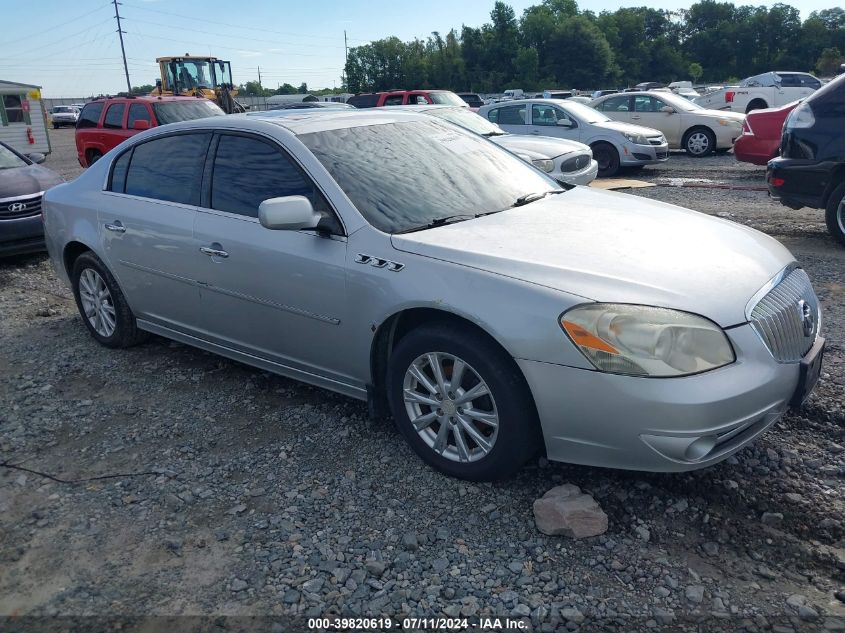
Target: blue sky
{"type": "Point", "coordinates": [72, 49]}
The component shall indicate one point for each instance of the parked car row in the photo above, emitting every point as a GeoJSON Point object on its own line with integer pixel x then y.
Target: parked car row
{"type": "Point", "coordinates": [395, 257]}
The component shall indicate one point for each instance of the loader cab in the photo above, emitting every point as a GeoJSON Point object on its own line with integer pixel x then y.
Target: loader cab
{"type": "Point", "coordinates": [188, 74]}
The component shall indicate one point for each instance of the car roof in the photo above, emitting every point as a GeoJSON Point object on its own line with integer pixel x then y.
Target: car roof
{"type": "Point", "coordinates": [148, 98]}
{"type": "Point", "coordinates": [304, 121]}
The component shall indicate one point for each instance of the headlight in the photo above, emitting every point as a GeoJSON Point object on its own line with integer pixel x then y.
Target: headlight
{"type": "Point", "coordinates": [545, 164]}
{"type": "Point", "coordinates": [636, 139]}
{"type": "Point", "coordinates": [729, 122]}
{"type": "Point", "coordinates": [646, 341]}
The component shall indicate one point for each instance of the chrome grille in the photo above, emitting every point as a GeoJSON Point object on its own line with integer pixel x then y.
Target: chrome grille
{"type": "Point", "coordinates": [787, 317]}
{"type": "Point", "coordinates": [20, 207]}
{"type": "Point", "coordinates": [656, 140]}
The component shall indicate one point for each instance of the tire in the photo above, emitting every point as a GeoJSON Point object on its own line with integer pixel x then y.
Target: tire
{"type": "Point", "coordinates": [699, 142]}
{"type": "Point", "coordinates": [93, 156]}
{"type": "Point", "coordinates": [608, 159]}
{"type": "Point", "coordinates": [55, 126]}
{"type": "Point", "coordinates": [835, 214]}
{"type": "Point", "coordinates": [510, 444]}
{"type": "Point", "coordinates": [88, 272]}
{"type": "Point", "coordinates": [756, 104]}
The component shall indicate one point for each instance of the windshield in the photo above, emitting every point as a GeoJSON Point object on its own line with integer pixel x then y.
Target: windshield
{"type": "Point", "coordinates": [447, 98]}
{"type": "Point", "coordinates": [174, 111]}
{"type": "Point", "coordinates": [223, 73]}
{"type": "Point", "coordinates": [402, 176]}
{"type": "Point", "coordinates": [58, 109]}
{"type": "Point", "coordinates": [10, 160]}
{"type": "Point", "coordinates": [583, 112]}
{"type": "Point", "coordinates": [679, 103]}
{"type": "Point", "coordinates": [467, 120]}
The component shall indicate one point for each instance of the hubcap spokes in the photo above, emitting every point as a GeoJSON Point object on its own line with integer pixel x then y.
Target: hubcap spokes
{"type": "Point", "coordinates": [97, 303]}
{"type": "Point", "coordinates": [451, 407]}
{"type": "Point", "coordinates": [698, 143]}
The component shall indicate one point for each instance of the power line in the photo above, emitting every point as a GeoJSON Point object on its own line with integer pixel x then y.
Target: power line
{"type": "Point", "coordinates": [41, 32]}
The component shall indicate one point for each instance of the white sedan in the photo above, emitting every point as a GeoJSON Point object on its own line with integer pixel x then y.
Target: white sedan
{"type": "Point", "coordinates": [568, 162]}
{"type": "Point", "coordinates": [686, 125]}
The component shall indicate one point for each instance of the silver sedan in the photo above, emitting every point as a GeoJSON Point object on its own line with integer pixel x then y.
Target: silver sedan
{"type": "Point", "coordinates": [403, 261]}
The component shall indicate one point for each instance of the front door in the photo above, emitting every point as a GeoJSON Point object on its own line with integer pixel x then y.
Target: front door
{"type": "Point", "coordinates": [549, 120]}
{"type": "Point", "coordinates": [278, 295]}
{"type": "Point", "coordinates": [146, 227]}
{"type": "Point", "coordinates": [511, 118]}
{"type": "Point", "coordinates": [647, 112]}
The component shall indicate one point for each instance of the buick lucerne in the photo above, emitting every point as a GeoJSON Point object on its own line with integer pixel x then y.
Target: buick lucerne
{"type": "Point", "coordinates": [402, 260]}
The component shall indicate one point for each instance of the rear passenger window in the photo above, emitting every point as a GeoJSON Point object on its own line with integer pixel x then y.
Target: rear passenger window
{"type": "Point", "coordinates": [137, 112]}
{"type": "Point", "coordinates": [169, 168]}
{"type": "Point", "coordinates": [511, 115]}
{"type": "Point", "coordinates": [118, 173]}
{"type": "Point", "coordinates": [248, 171]}
{"type": "Point", "coordinates": [114, 116]}
{"type": "Point", "coordinates": [90, 115]}
{"type": "Point", "coordinates": [392, 101]}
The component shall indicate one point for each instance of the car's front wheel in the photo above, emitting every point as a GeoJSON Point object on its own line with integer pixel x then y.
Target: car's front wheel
{"type": "Point", "coordinates": [461, 403]}
{"type": "Point", "coordinates": [699, 142]}
{"type": "Point", "coordinates": [608, 159]}
{"type": "Point", "coordinates": [102, 305]}
{"type": "Point", "coordinates": [835, 214]}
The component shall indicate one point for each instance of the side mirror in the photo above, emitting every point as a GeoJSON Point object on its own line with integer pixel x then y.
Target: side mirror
{"type": "Point", "coordinates": [289, 213]}
{"type": "Point", "coordinates": [668, 109]}
{"type": "Point", "coordinates": [36, 158]}
{"type": "Point", "coordinates": [564, 122]}
{"type": "Point", "coordinates": [141, 124]}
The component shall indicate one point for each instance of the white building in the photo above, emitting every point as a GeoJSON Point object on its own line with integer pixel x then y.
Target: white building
{"type": "Point", "coordinates": [23, 121]}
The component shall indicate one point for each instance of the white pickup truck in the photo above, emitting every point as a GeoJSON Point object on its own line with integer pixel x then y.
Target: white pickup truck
{"type": "Point", "coordinates": [768, 90]}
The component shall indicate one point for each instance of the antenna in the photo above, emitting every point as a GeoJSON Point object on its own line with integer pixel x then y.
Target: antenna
{"type": "Point", "coordinates": [120, 32]}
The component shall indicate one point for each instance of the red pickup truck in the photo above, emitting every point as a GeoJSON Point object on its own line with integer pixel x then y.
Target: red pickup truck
{"type": "Point", "coordinates": [105, 123]}
{"type": "Point", "coordinates": [406, 97]}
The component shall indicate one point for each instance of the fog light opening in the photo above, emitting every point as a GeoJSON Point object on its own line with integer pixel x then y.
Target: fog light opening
{"type": "Point", "coordinates": [700, 448]}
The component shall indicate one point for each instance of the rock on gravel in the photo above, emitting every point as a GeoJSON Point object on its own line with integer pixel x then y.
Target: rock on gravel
{"type": "Point", "coordinates": [566, 511]}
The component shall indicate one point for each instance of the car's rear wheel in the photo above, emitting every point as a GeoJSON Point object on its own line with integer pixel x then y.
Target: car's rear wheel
{"type": "Point", "coordinates": [55, 126]}
{"type": "Point", "coordinates": [461, 403]}
{"type": "Point", "coordinates": [756, 104]}
{"type": "Point", "coordinates": [699, 142]}
{"type": "Point", "coordinates": [93, 156]}
{"type": "Point", "coordinates": [608, 159]}
{"type": "Point", "coordinates": [102, 305]}
{"type": "Point", "coordinates": [835, 214]}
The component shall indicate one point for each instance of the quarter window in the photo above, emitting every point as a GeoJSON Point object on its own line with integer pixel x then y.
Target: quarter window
{"type": "Point", "coordinates": [169, 168]}
{"type": "Point", "coordinates": [137, 112]}
{"type": "Point", "coordinates": [114, 116]}
{"type": "Point", "coordinates": [248, 171]}
{"type": "Point", "coordinates": [90, 115]}
{"type": "Point", "coordinates": [118, 173]}
{"type": "Point", "coordinates": [392, 101]}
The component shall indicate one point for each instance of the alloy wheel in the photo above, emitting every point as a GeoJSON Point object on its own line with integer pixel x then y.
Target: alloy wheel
{"type": "Point", "coordinates": [97, 303]}
{"type": "Point", "coordinates": [840, 216]}
{"type": "Point", "coordinates": [450, 407]}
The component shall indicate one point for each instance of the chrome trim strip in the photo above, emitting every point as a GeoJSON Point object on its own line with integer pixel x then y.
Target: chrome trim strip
{"type": "Point", "coordinates": [774, 281]}
{"type": "Point", "coordinates": [19, 198]}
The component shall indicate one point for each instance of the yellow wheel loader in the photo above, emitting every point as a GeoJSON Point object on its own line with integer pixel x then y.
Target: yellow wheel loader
{"type": "Point", "coordinates": [191, 75]}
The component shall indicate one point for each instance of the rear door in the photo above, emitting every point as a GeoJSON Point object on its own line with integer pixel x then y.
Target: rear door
{"type": "Point", "coordinates": [146, 226]}
{"type": "Point", "coordinates": [278, 295]}
{"type": "Point", "coordinates": [114, 125]}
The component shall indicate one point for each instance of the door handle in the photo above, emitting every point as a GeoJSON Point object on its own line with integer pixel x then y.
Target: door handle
{"type": "Point", "coordinates": [213, 252]}
{"type": "Point", "coordinates": [115, 227]}
{"type": "Point", "coordinates": [535, 132]}
{"type": "Point", "coordinates": [636, 116]}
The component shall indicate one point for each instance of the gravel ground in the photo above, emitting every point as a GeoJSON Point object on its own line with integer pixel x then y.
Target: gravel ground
{"type": "Point", "coordinates": [176, 482]}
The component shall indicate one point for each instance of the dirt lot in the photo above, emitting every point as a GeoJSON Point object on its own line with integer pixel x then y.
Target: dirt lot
{"type": "Point", "coordinates": [175, 482]}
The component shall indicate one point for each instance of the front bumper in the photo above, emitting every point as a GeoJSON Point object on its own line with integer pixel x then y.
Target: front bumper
{"type": "Point", "coordinates": [633, 155]}
{"type": "Point", "coordinates": [581, 177]}
{"type": "Point", "coordinates": [661, 424]}
{"type": "Point", "coordinates": [21, 235]}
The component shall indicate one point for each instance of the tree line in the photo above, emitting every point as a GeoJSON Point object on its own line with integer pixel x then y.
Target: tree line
{"type": "Point", "coordinates": [554, 44]}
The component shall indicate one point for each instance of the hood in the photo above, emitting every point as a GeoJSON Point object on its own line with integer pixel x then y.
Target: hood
{"type": "Point", "coordinates": [628, 128]}
{"type": "Point", "coordinates": [538, 146]}
{"type": "Point", "coordinates": [613, 247]}
{"type": "Point", "coordinates": [21, 181]}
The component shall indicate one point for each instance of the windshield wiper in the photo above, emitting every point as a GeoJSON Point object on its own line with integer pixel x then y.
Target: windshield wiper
{"type": "Point", "coordinates": [449, 219]}
{"type": "Point", "coordinates": [489, 134]}
{"type": "Point", "coordinates": [533, 197]}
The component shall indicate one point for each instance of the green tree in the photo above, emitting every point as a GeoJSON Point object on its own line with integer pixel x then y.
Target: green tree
{"type": "Point", "coordinates": [695, 71]}
{"type": "Point", "coordinates": [143, 90]}
{"type": "Point", "coordinates": [579, 55]}
{"type": "Point", "coordinates": [829, 62]}
{"type": "Point", "coordinates": [303, 88]}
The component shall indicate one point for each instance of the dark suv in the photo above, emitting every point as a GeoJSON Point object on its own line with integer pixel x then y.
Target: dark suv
{"type": "Point", "coordinates": [811, 169]}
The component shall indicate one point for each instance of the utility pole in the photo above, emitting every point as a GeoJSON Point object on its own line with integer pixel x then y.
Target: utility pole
{"type": "Point", "coordinates": [260, 85]}
{"type": "Point", "coordinates": [120, 32]}
{"type": "Point", "coordinates": [346, 59]}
